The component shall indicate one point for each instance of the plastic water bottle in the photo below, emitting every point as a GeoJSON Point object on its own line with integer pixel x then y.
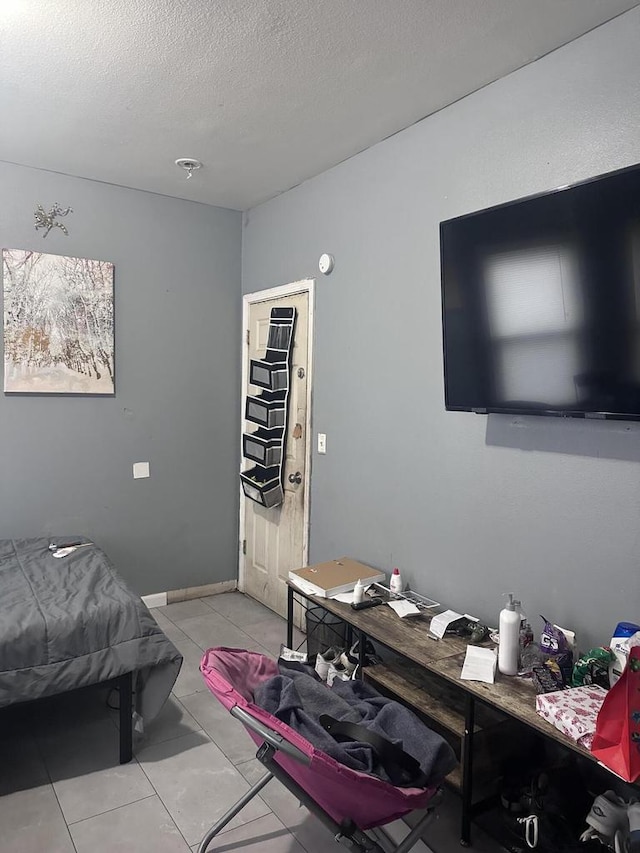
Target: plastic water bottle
{"type": "Point", "coordinates": [395, 584]}
{"type": "Point", "coordinates": [509, 645]}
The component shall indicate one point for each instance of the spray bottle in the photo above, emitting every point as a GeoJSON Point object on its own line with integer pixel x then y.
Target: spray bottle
{"type": "Point", "coordinates": [509, 645]}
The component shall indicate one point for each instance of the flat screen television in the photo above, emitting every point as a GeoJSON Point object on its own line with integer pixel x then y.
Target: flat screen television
{"type": "Point", "coordinates": [541, 303]}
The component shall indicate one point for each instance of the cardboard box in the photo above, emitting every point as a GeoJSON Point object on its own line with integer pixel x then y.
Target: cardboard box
{"type": "Point", "coordinates": [335, 576]}
{"type": "Point", "coordinates": [574, 711]}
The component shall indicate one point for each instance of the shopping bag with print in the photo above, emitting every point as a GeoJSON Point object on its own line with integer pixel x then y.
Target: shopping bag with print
{"type": "Point", "coordinates": [616, 742]}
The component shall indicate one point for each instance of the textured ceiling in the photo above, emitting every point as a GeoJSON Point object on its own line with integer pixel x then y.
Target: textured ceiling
{"type": "Point", "coordinates": [266, 93]}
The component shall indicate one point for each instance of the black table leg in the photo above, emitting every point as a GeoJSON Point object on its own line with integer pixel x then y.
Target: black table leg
{"type": "Point", "coordinates": [125, 688]}
{"type": "Point", "coordinates": [362, 653]}
{"type": "Point", "coordinates": [289, 617]}
{"type": "Point", "coordinates": [467, 770]}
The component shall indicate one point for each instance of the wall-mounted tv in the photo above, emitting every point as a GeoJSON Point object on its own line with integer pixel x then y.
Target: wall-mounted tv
{"type": "Point", "coordinates": [541, 303]}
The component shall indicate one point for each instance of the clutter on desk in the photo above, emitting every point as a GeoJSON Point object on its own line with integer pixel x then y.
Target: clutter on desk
{"type": "Point", "coordinates": [366, 603]}
{"type": "Point", "coordinates": [441, 622]}
{"type": "Point", "coordinates": [574, 711]}
{"type": "Point", "coordinates": [620, 647]}
{"type": "Point", "coordinates": [479, 665]}
{"type": "Point", "coordinates": [335, 576]}
{"type": "Point", "coordinates": [509, 646]}
{"type": "Point", "coordinates": [468, 627]}
{"type": "Point", "coordinates": [404, 608]}
{"type": "Point", "coordinates": [593, 668]}
{"type": "Point", "coordinates": [547, 677]}
{"type": "Point", "coordinates": [617, 738]}
{"type": "Point", "coordinates": [555, 646]}
{"type": "Point", "coordinates": [358, 592]}
{"type": "Point", "coordinates": [395, 582]}
{"type": "Point", "coordinates": [422, 602]}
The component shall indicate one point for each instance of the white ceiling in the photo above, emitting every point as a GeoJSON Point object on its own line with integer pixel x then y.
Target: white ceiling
{"type": "Point", "coordinates": [266, 93]}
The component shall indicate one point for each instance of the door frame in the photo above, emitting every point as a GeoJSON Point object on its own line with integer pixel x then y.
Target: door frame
{"type": "Point", "coordinates": [306, 285]}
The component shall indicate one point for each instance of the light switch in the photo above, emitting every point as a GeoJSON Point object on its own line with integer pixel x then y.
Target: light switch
{"type": "Point", "coordinates": [140, 470]}
{"type": "Point", "coordinates": [322, 442]}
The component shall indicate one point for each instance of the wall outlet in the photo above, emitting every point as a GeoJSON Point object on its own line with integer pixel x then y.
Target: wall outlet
{"type": "Point", "coordinates": [140, 470]}
{"type": "Point", "coordinates": [322, 442]}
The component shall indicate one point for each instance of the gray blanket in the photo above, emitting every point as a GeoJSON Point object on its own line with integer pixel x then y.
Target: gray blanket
{"type": "Point", "coordinates": [71, 622]}
{"type": "Point", "coordinates": [298, 699]}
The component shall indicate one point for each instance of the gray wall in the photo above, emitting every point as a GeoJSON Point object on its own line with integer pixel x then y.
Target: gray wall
{"type": "Point", "coordinates": [66, 463]}
{"type": "Point", "coordinates": [468, 506]}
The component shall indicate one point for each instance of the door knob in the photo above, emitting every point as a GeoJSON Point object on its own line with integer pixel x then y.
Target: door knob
{"type": "Point", "coordinates": [295, 478]}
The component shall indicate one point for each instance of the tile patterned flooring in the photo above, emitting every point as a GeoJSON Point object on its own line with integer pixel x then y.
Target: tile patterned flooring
{"type": "Point", "coordinates": [63, 791]}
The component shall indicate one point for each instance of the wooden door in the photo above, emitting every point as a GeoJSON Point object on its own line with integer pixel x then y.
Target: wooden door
{"type": "Point", "coordinates": [274, 539]}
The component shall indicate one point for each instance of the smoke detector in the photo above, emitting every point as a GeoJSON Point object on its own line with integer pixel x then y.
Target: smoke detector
{"type": "Point", "coordinates": [189, 164]}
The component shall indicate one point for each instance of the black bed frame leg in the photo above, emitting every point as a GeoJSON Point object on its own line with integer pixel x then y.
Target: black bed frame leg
{"type": "Point", "coordinates": [125, 688]}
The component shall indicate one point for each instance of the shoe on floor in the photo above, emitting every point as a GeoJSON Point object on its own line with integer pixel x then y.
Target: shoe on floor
{"type": "Point", "coordinates": [609, 816]}
{"type": "Point", "coordinates": [338, 672]}
{"type": "Point", "coordinates": [324, 661]}
{"type": "Point", "coordinates": [621, 842]}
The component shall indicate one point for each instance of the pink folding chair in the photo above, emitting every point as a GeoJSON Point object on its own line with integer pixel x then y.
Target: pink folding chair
{"type": "Point", "coordinates": [347, 801]}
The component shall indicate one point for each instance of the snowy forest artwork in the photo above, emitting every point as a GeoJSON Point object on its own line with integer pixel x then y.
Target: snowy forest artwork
{"type": "Point", "coordinates": [58, 324]}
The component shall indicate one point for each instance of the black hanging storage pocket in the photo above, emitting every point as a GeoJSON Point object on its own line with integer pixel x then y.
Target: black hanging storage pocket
{"type": "Point", "coordinates": [268, 409]}
{"type": "Point", "coordinates": [263, 446]}
{"type": "Point", "coordinates": [263, 485]}
{"type": "Point", "coordinates": [272, 375]}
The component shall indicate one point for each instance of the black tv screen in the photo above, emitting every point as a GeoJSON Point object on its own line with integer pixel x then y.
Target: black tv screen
{"type": "Point", "coordinates": [541, 303]}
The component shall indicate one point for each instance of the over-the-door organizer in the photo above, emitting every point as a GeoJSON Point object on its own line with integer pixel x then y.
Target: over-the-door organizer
{"type": "Point", "coordinates": [264, 483]}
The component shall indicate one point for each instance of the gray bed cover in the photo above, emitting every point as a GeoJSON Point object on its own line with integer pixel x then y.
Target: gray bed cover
{"type": "Point", "coordinates": [70, 622]}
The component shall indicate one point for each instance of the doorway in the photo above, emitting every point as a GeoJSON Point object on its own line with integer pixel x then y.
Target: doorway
{"type": "Point", "coordinates": [275, 540]}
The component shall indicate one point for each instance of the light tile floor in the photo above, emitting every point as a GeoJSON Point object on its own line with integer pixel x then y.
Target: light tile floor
{"type": "Point", "coordinates": [63, 791]}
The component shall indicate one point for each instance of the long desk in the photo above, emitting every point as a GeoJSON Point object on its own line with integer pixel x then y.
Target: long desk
{"type": "Point", "coordinates": [443, 658]}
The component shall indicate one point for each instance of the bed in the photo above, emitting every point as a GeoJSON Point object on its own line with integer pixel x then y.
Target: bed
{"type": "Point", "coordinates": [73, 622]}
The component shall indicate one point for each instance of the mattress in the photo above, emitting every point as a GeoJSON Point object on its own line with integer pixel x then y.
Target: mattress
{"type": "Point", "coordinates": [70, 622]}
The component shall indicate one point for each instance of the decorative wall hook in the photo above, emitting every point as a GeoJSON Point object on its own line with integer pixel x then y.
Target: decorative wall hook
{"type": "Point", "coordinates": [48, 220]}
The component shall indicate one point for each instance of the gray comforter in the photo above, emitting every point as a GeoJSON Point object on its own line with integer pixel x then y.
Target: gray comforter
{"type": "Point", "coordinates": [71, 622]}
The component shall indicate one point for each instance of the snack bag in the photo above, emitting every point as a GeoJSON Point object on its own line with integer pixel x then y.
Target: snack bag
{"type": "Point", "coordinates": [554, 644]}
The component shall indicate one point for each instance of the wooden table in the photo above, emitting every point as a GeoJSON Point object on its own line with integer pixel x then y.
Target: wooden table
{"type": "Point", "coordinates": [409, 637]}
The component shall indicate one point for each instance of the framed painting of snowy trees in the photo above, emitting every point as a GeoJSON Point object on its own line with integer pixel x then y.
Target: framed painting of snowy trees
{"type": "Point", "coordinates": [58, 324]}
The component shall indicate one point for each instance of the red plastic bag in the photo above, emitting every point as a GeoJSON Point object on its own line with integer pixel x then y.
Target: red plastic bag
{"type": "Point", "coordinates": [616, 742]}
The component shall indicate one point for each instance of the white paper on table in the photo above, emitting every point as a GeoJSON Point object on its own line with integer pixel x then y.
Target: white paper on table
{"type": "Point", "coordinates": [345, 597]}
{"type": "Point", "coordinates": [440, 622]}
{"type": "Point", "coordinates": [404, 608]}
{"type": "Point", "coordinates": [479, 665]}
{"type": "Point", "coordinates": [303, 586]}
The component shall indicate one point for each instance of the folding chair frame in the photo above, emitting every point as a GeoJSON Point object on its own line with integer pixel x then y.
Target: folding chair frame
{"type": "Point", "coordinates": [346, 832]}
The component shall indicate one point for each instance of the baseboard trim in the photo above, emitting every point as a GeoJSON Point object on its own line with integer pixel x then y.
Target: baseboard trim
{"type": "Point", "coordinates": [158, 599]}
{"type": "Point", "coordinates": [174, 595]}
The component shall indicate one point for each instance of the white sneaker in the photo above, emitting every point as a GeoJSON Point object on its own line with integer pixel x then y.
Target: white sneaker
{"type": "Point", "coordinates": [324, 661]}
{"type": "Point", "coordinates": [337, 671]}
{"type": "Point", "coordinates": [608, 815]}
{"type": "Point", "coordinates": [348, 663]}
{"type": "Point", "coordinates": [621, 842]}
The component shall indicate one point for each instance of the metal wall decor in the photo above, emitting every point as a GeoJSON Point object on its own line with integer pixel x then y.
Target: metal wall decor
{"type": "Point", "coordinates": [48, 220]}
{"type": "Point", "coordinates": [268, 408]}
